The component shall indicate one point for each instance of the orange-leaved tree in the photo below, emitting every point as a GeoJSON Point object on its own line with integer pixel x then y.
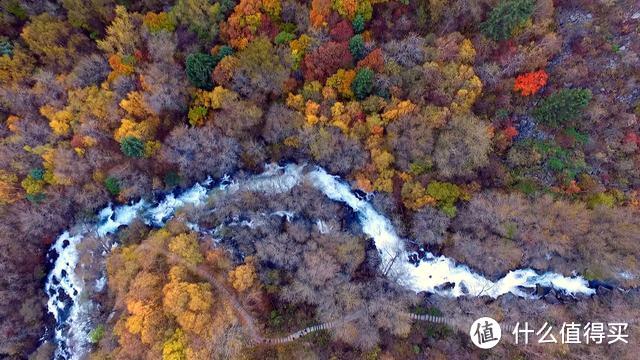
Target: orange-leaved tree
{"type": "Point", "coordinates": [529, 83]}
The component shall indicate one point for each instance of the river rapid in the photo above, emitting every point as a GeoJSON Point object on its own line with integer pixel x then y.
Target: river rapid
{"type": "Point", "coordinates": [69, 295]}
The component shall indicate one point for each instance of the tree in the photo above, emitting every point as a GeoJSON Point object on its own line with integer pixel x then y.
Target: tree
{"type": "Point", "coordinates": [122, 38]}
{"type": "Point", "coordinates": [341, 32]}
{"type": "Point", "coordinates": [562, 106]}
{"type": "Point", "coordinates": [374, 61]}
{"type": "Point", "coordinates": [190, 304]}
{"type": "Point", "coordinates": [8, 187]}
{"type": "Point", "coordinates": [429, 226]}
{"type": "Point", "coordinates": [281, 124]}
{"type": "Point", "coordinates": [358, 23]}
{"type": "Point", "coordinates": [89, 15]}
{"type": "Point", "coordinates": [334, 150]}
{"type": "Point", "coordinates": [131, 146]}
{"type": "Point", "coordinates": [222, 52]}
{"type": "Point", "coordinates": [357, 47]}
{"type": "Point", "coordinates": [52, 40]}
{"type": "Point", "coordinates": [462, 147]}
{"type": "Point", "coordinates": [529, 83]}
{"type": "Point", "coordinates": [89, 70]}
{"type": "Point", "coordinates": [6, 47]}
{"type": "Point", "coordinates": [199, 67]}
{"type": "Point", "coordinates": [260, 72]}
{"type": "Point", "coordinates": [507, 16]}
{"type": "Point", "coordinates": [446, 194]}
{"type": "Point", "coordinates": [198, 152]}
{"type": "Point", "coordinates": [412, 140]}
{"type": "Point", "coordinates": [17, 67]}
{"type": "Point", "coordinates": [243, 277]}
{"type": "Point", "coordinates": [175, 347]}
{"type": "Point", "coordinates": [112, 185]}
{"type": "Point", "coordinates": [341, 81]}
{"type": "Point", "coordinates": [326, 60]}
{"type": "Point", "coordinates": [363, 83]}
{"type": "Point", "coordinates": [186, 246]}
{"type": "Point", "coordinates": [157, 22]}
{"type": "Point", "coordinates": [320, 10]}
{"type": "Point", "coordinates": [407, 52]}
{"type": "Point", "coordinates": [164, 82]}
{"type": "Point", "coordinates": [250, 19]}
{"type": "Point", "coordinates": [201, 16]}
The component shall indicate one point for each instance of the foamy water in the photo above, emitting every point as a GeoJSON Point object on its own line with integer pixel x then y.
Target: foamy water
{"type": "Point", "coordinates": [435, 271]}
{"type": "Point", "coordinates": [67, 294]}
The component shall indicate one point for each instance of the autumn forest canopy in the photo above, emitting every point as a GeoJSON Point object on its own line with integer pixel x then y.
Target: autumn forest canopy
{"type": "Point", "coordinates": [503, 134]}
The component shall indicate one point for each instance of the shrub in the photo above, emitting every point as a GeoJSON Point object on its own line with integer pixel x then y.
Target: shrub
{"type": "Point", "coordinates": [561, 106]}
{"type": "Point", "coordinates": [446, 194]}
{"type": "Point", "coordinates": [37, 173]}
{"type": "Point", "coordinates": [601, 199]}
{"type": "Point", "coordinates": [172, 179]}
{"type": "Point", "coordinates": [6, 48]}
{"type": "Point", "coordinates": [506, 17]}
{"type": "Point", "coordinates": [131, 146]}
{"type": "Point", "coordinates": [197, 115]}
{"type": "Point", "coordinates": [363, 83]}
{"type": "Point", "coordinates": [223, 51]}
{"type": "Point", "coordinates": [199, 67]}
{"type": "Point", "coordinates": [112, 185]}
{"type": "Point", "coordinates": [284, 38]}
{"type": "Point", "coordinates": [96, 334]}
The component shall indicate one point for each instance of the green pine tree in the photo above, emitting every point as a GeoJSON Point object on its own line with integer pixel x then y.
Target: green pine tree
{"type": "Point", "coordinates": [199, 67]}
{"type": "Point", "coordinates": [561, 106]}
{"type": "Point", "coordinates": [356, 46]}
{"type": "Point", "coordinates": [131, 146]}
{"type": "Point", "coordinates": [506, 17]}
{"type": "Point", "coordinates": [363, 83]}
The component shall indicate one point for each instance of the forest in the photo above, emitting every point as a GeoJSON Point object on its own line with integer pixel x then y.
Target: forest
{"type": "Point", "coordinates": [502, 134]}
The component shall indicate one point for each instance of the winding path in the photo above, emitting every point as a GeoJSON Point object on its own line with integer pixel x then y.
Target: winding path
{"type": "Point", "coordinates": [250, 323]}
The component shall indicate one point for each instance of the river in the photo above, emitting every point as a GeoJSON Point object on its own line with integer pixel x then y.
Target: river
{"type": "Point", "coordinates": [68, 294]}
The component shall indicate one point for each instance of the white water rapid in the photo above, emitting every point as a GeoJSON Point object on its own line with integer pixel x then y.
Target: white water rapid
{"type": "Point", "coordinates": [68, 294]}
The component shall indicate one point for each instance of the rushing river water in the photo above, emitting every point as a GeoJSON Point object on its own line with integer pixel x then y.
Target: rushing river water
{"type": "Point", "coordinates": [68, 293]}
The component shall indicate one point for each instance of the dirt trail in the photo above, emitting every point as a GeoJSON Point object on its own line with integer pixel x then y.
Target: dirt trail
{"type": "Point", "coordinates": [249, 323]}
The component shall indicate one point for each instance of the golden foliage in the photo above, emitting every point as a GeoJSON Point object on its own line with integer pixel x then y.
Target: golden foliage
{"type": "Point", "coordinates": [146, 321]}
{"type": "Point", "coordinates": [135, 105]}
{"type": "Point", "coordinates": [121, 34]}
{"type": "Point", "coordinates": [243, 276]}
{"type": "Point", "coordinates": [311, 112]}
{"type": "Point", "coordinates": [295, 102]}
{"type": "Point", "coordinates": [341, 81]}
{"type": "Point", "coordinates": [414, 195]}
{"type": "Point", "coordinates": [398, 108]}
{"type": "Point", "coordinates": [190, 304]}
{"type": "Point", "coordinates": [8, 189]}
{"type": "Point", "coordinates": [460, 83]}
{"type": "Point", "coordinates": [215, 99]}
{"type": "Point", "coordinates": [175, 348]}
{"type": "Point", "coordinates": [59, 121]}
{"type": "Point", "coordinates": [16, 68]}
{"type": "Point", "coordinates": [299, 48]}
{"type": "Point", "coordinates": [186, 246]}
{"type": "Point", "coordinates": [143, 130]}
{"type": "Point", "coordinates": [467, 53]}
{"type": "Point", "coordinates": [32, 186]}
